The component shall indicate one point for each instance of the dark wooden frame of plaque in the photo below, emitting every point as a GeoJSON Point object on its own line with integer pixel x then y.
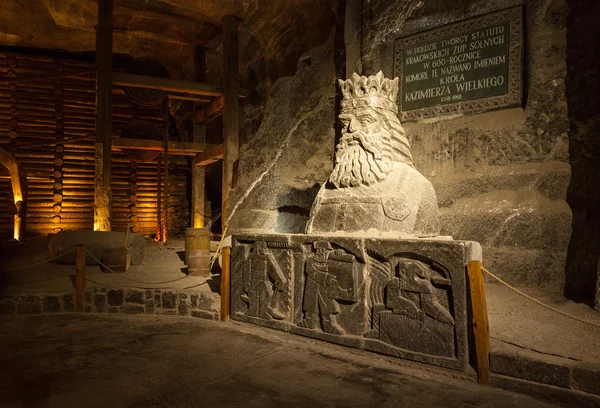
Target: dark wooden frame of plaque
{"type": "Point", "coordinates": [514, 97]}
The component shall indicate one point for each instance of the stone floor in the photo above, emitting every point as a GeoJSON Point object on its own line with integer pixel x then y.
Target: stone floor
{"type": "Point", "coordinates": [519, 325]}
{"type": "Point", "coordinates": [141, 361]}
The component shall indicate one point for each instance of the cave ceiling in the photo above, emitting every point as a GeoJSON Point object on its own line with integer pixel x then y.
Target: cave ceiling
{"type": "Point", "coordinates": [168, 29]}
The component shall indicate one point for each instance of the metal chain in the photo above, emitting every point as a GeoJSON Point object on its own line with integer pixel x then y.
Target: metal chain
{"type": "Point", "coordinates": [526, 296]}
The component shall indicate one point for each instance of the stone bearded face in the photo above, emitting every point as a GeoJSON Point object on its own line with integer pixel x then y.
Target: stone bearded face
{"type": "Point", "coordinates": [362, 155]}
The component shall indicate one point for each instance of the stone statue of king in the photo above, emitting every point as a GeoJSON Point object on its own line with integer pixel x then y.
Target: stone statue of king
{"type": "Point", "coordinates": [374, 188]}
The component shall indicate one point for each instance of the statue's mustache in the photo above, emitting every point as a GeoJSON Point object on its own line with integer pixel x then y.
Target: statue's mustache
{"type": "Point", "coordinates": [366, 140]}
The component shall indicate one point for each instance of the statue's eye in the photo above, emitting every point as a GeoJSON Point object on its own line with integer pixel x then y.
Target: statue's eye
{"type": "Point", "coordinates": [365, 119]}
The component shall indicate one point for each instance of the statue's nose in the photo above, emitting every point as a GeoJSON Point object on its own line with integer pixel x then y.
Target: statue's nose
{"type": "Point", "coordinates": [354, 126]}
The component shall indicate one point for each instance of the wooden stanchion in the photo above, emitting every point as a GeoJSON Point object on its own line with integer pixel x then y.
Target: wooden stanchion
{"type": "Point", "coordinates": [79, 277]}
{"type": "Point", "coordinates": [225, 284]}
{"type": "Point", "coordinates": [481, 328]}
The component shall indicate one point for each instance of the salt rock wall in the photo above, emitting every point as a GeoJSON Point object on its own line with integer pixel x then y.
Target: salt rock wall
{"type": "Point", "coordinates": [282, 167]}
{"type": "Point", "coordinates": [501, 177]}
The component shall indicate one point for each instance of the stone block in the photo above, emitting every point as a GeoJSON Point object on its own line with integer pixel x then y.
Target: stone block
{"type": "Point", "coordinates": [150, 305]}
{"type": "Point", "coordinates": [135, 296]}
{"type": "Point", "coordinates": [95, 242]}
{"type": "Point", "coordinates": [169, 300]}
{"type": "Point", "coordinates": [527, 368]}
{"type": "Point", "coordinates": [68, 301]}
{"type": "Point", "coordinates": [400, 297]}
{"type": "Point", "coordinates": [587, 378]}
{"type": "Point", "coordinates": [51, 304]}
{"type": "Point", "coordinates": [209, 301]}
{"type": "Point", "coordinates": [7, 307]}
{"type": "Point", "coordinates": [115, 297]}
{"type": "Point", "coordinates": [29, 307]}
{"type": "Point", "coordinates": [100, 302]}
{"type": "Point", "coordinates": [132, 308]}
{"type": "Point", "coordinates": [184, 305]}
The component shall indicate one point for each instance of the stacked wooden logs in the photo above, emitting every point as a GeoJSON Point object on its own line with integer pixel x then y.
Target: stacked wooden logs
{"type": "Point", "coordinates": [48, 124]}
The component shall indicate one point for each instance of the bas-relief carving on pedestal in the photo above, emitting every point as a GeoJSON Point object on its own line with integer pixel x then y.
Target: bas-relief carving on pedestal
{"type": "Point", "coordinates": [397, 297]}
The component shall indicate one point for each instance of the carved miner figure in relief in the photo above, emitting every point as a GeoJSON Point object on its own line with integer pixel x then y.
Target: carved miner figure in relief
{"type": "Point", "coordinates": [374, 187]}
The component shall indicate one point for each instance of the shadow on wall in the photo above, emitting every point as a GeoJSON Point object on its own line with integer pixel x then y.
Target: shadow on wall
{"type": "Point", "coordinates": [582, 88]}
{"type": "Point", "coordinates": [293, 209]}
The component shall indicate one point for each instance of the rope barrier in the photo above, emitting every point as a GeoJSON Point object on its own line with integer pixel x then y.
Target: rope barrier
{"type": "Point", "coordinates": [134, 280]}
{"type": "Point", "coordinates": [38, 263]}
{"type": "Point", "coordinates": [526, 296]}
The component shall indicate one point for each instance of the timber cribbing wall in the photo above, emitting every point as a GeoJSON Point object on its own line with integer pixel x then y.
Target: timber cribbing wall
{"type": "Point", "coordinates": [36, 114]}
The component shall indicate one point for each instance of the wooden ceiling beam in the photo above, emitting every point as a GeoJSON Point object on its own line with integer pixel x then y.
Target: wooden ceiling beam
{"type": "Point", "coordinates": [175, 148]}
{"type": "Point", "coordinates": [209, 156]}
{"type": "Point", "coordinates": [165, 84]}
{"type": "Point", "coordinates": [211, 111]}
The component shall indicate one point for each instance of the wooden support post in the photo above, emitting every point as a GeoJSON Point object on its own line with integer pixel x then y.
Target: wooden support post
{"type": "Point", "coordinates": [102, 190]}
{"type": "Point", "coordinates": [198, 188]}
{"type": "Point", "coordinates": [481, 328]}
{"type": "Point", "coordinates": [165, 217]}
{"type": "Point", "coordinates": [225, 283]}
{"type": "Point", "coordinates": [231, 88]}
{"type": "Point", "coordinates": [199, 135]}
{"type": "Point", "coordinates": [79, 277]}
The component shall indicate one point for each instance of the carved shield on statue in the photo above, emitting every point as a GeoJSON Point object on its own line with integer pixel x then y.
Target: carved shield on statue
{"type": "Point", "coordinates": [396, 208]}
{"type": "Point", "coordinates": [344, 268]}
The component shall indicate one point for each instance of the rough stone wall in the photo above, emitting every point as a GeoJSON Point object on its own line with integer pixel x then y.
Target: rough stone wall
{"type": "Point", "coordinates": [501, 177]}
{"type": "Point", "coordinates": [281, 168]}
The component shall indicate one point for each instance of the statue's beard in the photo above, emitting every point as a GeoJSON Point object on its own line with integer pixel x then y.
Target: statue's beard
{"type": "Point", "coordinates": [359, 161]}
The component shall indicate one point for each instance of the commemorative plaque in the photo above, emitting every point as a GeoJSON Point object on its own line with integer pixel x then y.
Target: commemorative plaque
{"type": "Point", "coordinates": [467, 67]}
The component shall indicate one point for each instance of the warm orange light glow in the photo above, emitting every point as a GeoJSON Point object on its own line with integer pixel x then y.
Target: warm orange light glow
{"type": "Point", "coordinates": [17, 226]}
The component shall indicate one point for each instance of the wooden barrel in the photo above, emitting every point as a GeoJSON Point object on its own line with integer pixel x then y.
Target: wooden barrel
{"type": "Point", "coordinates": [197, 251]}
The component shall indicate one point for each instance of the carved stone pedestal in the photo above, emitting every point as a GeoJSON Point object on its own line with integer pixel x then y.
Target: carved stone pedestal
{"type": "Point", "coordinates": [403, 298]}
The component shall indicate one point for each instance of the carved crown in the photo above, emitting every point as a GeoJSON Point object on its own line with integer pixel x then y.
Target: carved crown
{"type": "Point", "coordinates": [375, 91]}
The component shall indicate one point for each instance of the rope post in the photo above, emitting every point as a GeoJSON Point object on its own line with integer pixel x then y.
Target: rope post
{"type": "Point", "coordinates": [225, 284]}
{"type": "Point", "coordinates": [481, 328]}
{"type": "Point", "coordinates": [79, 277]}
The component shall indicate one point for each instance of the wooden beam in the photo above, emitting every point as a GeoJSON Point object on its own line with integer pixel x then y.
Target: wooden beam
{"type": "Point", "coordinates": [481, 328]}
{"type": "Point", "coordinates": [231, 91]}
{"type": "Point", "coordinates": [175, 148]}
{"type": "Point", "coordinates": [209, 112]}
{"type": "Point", "coordinates": [225, 283]}
{"type": "Point", "coordinates": [166, 191]}
{"type": "Point", "coordinates": [165, 84]}
{"type": "Point", "coordinates": [102, 152]}
{"type": "Point", "coordinates": [192, 98]}
{"type": "Point", "coordinates": [209, 156]}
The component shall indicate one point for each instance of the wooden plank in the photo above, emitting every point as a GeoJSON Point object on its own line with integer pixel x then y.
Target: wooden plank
{"type": "Point", "coordinates": [210, 155]}
{"type": "Point", "coordinates": [165, 84]}
{"type": "Point", "coordinates": [225, 284]}
{"type": "Point", "coordinates": [166, 194]}
{"type": "Point", "coordinates": [231, 89]}
{"type": "Point", "coordinates": [209, 112]}
{"type": "Point", "coordinates": [175, 148]}
{"type": "Point", "coordinates": [481, 328]}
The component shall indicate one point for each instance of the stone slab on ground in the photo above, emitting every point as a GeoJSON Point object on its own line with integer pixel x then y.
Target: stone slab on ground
{"type": "Point", "coordinates": [403, 298]}
{"type": "Point", "coordinates": [95, 242]}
